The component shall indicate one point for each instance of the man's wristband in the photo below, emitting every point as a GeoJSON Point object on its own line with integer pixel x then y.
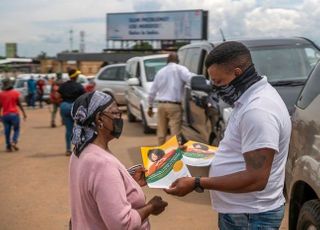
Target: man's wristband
{"type": "Point", "coordinates": [197, 185]}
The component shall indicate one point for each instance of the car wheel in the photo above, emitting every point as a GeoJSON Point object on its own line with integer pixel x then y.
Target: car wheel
{"type": "Point", "coordinates": [309, 216]}
{"type": "Point", "coordinates": [146, 128]}
{"type": "Point", "coordinates": [131, 117]}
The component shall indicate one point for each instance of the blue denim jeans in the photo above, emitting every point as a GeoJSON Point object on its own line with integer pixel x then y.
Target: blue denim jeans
{"type": "Point", "coordinates": [11, 121]}
{"type": "Point", "coordinates": [269, 220]}
{"type": "Point", "coordinates": [32, 99]}
{"type": "Point", "coordinates": [65, 111]}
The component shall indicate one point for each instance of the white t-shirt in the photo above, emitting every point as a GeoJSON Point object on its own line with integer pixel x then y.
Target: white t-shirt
{"type": "Point", "coordinates": [259, 119]}
{"type": "Point", "coordinates": [168, 84]}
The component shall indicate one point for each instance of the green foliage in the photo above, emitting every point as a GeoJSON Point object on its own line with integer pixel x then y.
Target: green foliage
{"type": "Point", "coordinates": [142, 46]}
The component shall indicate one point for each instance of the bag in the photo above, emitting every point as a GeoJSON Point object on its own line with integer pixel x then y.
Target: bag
{"type": "Point", "coordinates": [55, 96]}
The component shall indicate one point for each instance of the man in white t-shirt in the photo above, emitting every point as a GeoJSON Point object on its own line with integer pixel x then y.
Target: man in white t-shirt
{"type": "Point", "coordinates": [246, 178]}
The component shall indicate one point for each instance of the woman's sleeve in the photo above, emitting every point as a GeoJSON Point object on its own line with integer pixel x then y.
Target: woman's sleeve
{"type": "Point", "coordinates": [110, 195]}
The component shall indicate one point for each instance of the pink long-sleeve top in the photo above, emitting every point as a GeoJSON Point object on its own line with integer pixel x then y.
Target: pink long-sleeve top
{"type": "Point", "coordinates": [103, 194]}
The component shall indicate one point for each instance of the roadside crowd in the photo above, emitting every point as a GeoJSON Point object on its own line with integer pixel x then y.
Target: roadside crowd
{"type": "Point", "coordinates": [246, 177]}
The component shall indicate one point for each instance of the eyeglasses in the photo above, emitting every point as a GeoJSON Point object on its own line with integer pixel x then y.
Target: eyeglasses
{"type": "Point", "coordinates": [114, 114]}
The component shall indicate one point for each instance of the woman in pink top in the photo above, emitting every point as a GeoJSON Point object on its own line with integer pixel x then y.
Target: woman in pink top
{"type": "Point", "coordinates": [103, 194]}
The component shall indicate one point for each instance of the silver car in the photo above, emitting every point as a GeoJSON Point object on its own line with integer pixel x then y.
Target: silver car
{"type": "Point", "coordinates": [21, 86]}
{"type": "Point", "coordinates": [141, 72]}
{"type": "Point", "coordinates": [303, 165]}
{"type": "Point", "coordinates": [111, 79]}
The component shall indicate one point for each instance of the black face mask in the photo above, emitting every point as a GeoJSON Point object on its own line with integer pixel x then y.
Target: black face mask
{"type": "Point", "coordinates": [117, 124]}
{"type": "Point", "coordinates": [232, 92]}
{"type": "Point", "coordinates": [117, 127]}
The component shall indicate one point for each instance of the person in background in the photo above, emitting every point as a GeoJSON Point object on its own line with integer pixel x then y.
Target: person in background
{"type": "Point", "coordinates": [90, 86]}
{"type": "Point", "coordinates": [9, 104]}
{"type": "Point", "coordinates": [246, 178]}
{"type": "Point", "coordinates": [51, 80]}
{"type": "Point", "coordinates": [103, 194]}
{"type": "Point", "coordinates": [167, 89]}
{"type": "Point", "coordinates": [32, 90]}
{"type": "Point", "coordinates": [40, 90]}
{"type": "Point", "coordinates": [69, 92]}
{"type": "Point", "coordinates": [55, 98]}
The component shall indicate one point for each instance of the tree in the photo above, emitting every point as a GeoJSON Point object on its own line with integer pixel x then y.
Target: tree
{"type": "Point", "coordinates": [142, 46]}
{"type": "Point", "coordinates": [42, 55]}
{"type": "Point", "coordinates": [6, 68]}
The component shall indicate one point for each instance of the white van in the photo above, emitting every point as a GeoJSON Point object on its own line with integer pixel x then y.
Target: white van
{"type": "Point", "coordinates": [141, 72]}
{"type": "Point", "coordinates": [111, 79]}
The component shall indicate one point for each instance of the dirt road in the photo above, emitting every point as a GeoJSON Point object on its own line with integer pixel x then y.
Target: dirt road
{"type": "Point", "coordinates": [34, 181]}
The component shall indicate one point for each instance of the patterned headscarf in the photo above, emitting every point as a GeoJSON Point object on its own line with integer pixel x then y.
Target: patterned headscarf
{"type": "Point", "coordinates": [84, 111]}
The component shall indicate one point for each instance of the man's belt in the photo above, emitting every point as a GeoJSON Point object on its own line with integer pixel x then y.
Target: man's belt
{"type": "Point", "coordinates": [170, 102]}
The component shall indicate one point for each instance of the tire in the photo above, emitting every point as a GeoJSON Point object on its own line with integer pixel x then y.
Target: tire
{"type": "Point", "coordinates": [131, 117]}
{"type": "Point", "coordinates": [309, 215]}
{"type": "Point", "coordinates": [146, 128]}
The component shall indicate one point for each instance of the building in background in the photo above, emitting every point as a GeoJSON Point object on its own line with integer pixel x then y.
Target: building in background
{"type": "Point", "coordinates": [11, 50]}
{"type": "Point", "coordinates": [11, 67]}
{"type": "Point", "coordinates": [90, 63]}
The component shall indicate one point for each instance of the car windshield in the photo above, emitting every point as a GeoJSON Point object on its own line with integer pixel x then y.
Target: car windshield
{"type": "Point", "coordinates": [285, 63]}
{"type": "Point", "coordinates": [82, 79]}
{"type": "Point", "coordinates": [20, 83]}
{"type": "Point", "coordinates": [152, 66]}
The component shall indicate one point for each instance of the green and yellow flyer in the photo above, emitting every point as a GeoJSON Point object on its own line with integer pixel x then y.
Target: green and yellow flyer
{"type": "Point", "coordinates": [197, 154]}
{"type": "Point", "coordinates": [164, 164]}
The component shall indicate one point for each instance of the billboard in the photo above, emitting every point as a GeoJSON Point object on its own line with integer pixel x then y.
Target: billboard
{"type": "Point", "coordinates": [168, 25]}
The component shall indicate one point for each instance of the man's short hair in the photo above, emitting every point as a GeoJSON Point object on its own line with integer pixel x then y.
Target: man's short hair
{"type": "Point", "coordinates": [231, 54]}
{"type": "Point", "coordinates": [173, 57]}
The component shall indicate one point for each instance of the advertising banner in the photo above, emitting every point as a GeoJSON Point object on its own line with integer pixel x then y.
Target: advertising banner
{"type": "Point", "coordinates": [170, 25]}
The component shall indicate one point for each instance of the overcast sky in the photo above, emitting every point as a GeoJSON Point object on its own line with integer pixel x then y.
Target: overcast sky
{"type": "Point", "coordinates": [43, 25]}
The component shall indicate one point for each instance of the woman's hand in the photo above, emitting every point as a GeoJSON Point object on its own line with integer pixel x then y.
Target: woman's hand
{"type": "Point", "coordinates": [139, 176]}
{"type": "Point", "coordinates": [154, 207]}
{"type": "Point", "coordinates": [158, 205]}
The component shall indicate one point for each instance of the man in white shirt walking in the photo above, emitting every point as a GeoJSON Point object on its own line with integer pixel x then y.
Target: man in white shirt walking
{"type": "Point", "coordinates": [167, 89]}
{"type": "Point", "coordinates": [246, 177]}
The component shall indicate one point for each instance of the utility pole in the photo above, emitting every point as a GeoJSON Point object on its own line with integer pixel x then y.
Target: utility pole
{"type": "Point", "coordinates": [71, 39]}
{"type": "Point", "coordinates": [82, 42]}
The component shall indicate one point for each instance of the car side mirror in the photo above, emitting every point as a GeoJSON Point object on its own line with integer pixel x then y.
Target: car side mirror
{"type": "Point", "coordinates": [133, 81]}
{"type": "Point", "coordinates": [199, 83]}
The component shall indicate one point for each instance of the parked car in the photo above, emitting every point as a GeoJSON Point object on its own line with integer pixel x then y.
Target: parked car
{"type": "Point", "coordinates": [140, 73]}
{"type": "Point", "coordinates": [91, 86]}
{"type": "Point", "coordinates": [111, 79]}
{"type": "Point", "coordinates": [286, 63]}
{"type": "Point", "coordinates": [303, 165]}
{"type": "Point", "coordinates": [21, 86]}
